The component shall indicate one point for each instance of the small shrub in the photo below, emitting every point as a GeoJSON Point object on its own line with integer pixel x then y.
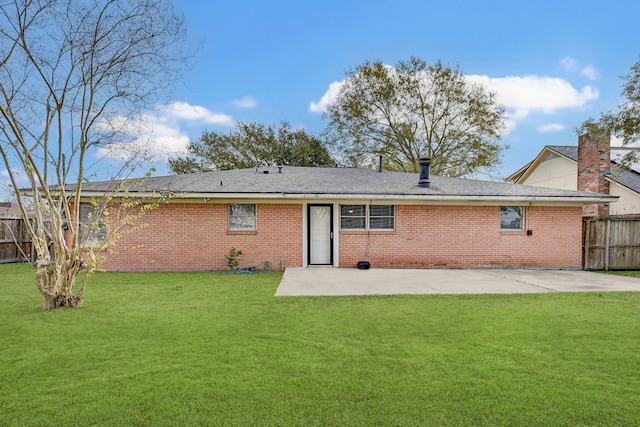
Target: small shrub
{"type": "Point", "coordinates": [233, 258]}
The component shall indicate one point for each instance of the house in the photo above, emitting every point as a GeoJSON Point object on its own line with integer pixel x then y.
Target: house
{"type": "Point", "coordinates": [9, 210]}
{"type": "Point", "coordinates": [301, 216]}
{"type": "Point", "coordinates": [586, 167]}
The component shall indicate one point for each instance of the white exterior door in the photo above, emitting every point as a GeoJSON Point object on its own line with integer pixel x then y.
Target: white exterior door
{"type": "Point", "coordinates": [320, 235]}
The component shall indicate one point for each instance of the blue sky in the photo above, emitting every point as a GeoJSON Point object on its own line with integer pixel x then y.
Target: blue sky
{"type": "Point", "coordinates": [554, 63]}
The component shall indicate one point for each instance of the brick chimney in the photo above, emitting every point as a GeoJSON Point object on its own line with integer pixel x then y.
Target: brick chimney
{"type": "Point", "coordinates": [594, 160]}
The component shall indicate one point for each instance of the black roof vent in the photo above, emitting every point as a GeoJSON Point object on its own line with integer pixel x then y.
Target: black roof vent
{"type": "Point", "coordinates": [425, 165]}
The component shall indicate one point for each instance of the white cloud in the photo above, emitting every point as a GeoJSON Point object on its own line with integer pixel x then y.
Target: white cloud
{"type": "Point", "coordinates": [6, 188]}
{"type": "Point", "coordinates": [616, 141]}
{"type": "Point", "coordinates": [158, 134]}
{"type": "Point", "coordinates": [535, 93]}
{"type": "Point", "coordinates": [568, 63]}
{"type": "Point", "coordinates": [328, 97]}
{"type": "Point", "coordinates": [246, 102]}
{"type": "Point", "coordinates": [520, 95]}
{"type": "Point", "coordinates": [551, 127]}
{"type": "Point", "coordinates": [590, 72]}
{"type": "Point", "coordinates": [146, 136]}
{"type": "Point", "coordinates": [194, 113]}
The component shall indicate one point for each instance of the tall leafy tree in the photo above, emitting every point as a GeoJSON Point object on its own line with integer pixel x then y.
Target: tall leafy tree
{"type": "Point", "coordinates": [70, 70]}
{"type": "Point", "coordinates": [623, 123]}
{"type": "Point", "coordinates": [416, 110]}
{"type": "Point", "coordinates": [253, 145]}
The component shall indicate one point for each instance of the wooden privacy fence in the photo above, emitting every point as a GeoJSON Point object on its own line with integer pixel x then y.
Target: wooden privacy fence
{"type": "Point", "coordinates": [611, 243]}
{"type": "Point", "coordinates": [12, 237]}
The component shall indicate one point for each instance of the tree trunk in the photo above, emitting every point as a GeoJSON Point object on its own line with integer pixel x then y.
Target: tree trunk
{"type": "Point", "coordinates": [56, 285]}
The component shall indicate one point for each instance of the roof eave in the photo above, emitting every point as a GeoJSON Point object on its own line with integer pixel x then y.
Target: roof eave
{"type": "Point", "coordinates": [527, 169]}
{"type": "Point", "coordinates": [434, 198]}
{"type": "Point", "coordinates": [514, 177]}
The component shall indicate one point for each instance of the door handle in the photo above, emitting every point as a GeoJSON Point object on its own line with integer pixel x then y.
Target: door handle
{"type": "Point", "coordinates": [331, 235]}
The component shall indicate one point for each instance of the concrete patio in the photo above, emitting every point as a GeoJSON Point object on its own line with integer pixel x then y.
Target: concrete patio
{"type": "Point", "coordinates": [327, 281]}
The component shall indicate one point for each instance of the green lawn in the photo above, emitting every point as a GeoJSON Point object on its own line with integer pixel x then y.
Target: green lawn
{"type": "Point", "coordinates": [629, 273]}
{"type": "Point", "coordinates": [167, 349]}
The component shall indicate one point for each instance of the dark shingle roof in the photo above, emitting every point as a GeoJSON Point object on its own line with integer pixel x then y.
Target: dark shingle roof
{"type": "Point", "coordinates": [566, 151]}
{"type": "Point", "coordinates": [332, 181]}
{"type": "Point", "coordinates": [626, 177]}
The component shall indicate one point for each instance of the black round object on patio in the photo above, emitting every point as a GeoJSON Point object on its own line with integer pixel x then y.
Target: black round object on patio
{"type": "Point", "coordinates": [364, 265]}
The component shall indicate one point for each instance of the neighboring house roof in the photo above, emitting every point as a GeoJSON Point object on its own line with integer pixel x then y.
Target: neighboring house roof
{"type": "Point", "coordinates": [340, 183]}
{"type": "Point", "coordinates": [568, 151]}
{"type": "Point", "coordinates": [624, 176]}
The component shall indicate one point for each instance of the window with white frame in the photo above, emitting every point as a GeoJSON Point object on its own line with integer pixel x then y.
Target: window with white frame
{"type": "Point", "coordinates": [382, 217]}
{"type": "Point", "coordinates": [512, 218]}
{"type": "Point", "coordinates": [242, 217]}
{"type": "Point", "coordinates": [93, 226]}
{"type": "Point", "coordinates": [367, 217]}
{"type": "Point", "coordinates": [353, 217]}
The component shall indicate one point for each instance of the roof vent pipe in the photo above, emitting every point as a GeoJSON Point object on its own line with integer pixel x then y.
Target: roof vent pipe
{"type": "Point", "coordinates": [425, 165]}
{"type": "Point", "coordinates": [380, 166]}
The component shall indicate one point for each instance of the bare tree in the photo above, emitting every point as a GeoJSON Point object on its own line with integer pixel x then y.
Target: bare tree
{"type": "Point", "coordinates": [69, 70]}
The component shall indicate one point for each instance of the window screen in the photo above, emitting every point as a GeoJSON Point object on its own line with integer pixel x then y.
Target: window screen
{"type": "Point", "coordinates": [381, 217]}
{"type": "Point", "coordinates": [367, 217]}
{"type": "Point", "coordinates": [353, 217]}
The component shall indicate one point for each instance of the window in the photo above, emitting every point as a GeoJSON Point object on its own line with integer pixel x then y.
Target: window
{"type": "Point", "coordinates": [93, 227]}
{"type": "Point", "coordinates": [512, 218]}
{"type": "Point", "coordinates": [367, 217]}
{"type": "Point", "coordinates": [381, 217]}
{"type": "Point", "coordinates": [242, 217]}
{"type": "Point", "coordinates": [353, 217]}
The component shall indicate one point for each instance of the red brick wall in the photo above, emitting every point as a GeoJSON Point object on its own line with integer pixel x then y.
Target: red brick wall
{"type": "Point", "coordinates": [183, 236]}
{"type": "Point", "coordinates": [594, 160]}
{"type": "Point", "coordinates": [191, 236]}
{"type": "Point", "coordinates": [466, 237]}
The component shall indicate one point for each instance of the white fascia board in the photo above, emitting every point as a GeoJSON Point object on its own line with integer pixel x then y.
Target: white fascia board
{"type": "Point", "coordinates": [397, 199]}
{"type": "Point", "coordinates": [614, 182]}
{"type": "Point", "coordinates": [468, 200]}
{"type": "Point", "coordinates": [474, 200]}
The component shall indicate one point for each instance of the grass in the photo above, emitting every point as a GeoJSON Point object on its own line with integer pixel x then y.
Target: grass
{"type": "Point", "coordinates": [166, 349]}
{"type": "Point", "coordinates": [628, 273]}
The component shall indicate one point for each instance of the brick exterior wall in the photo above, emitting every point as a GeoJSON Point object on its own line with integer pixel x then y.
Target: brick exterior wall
{"type": "Point", "coordinates": [467, 237]}
{"type": "Point", "coordinates": [594, 160]}
{"type": "Point", "coordinates": [192, 237]}
{"type": "Point", "coordinates": [195, 236]}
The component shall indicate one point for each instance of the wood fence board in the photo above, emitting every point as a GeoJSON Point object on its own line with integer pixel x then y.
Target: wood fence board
{"type": "Point", "coordinates": [611, 243]}
{"type": "Point", "coordinates": [13, 235]}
